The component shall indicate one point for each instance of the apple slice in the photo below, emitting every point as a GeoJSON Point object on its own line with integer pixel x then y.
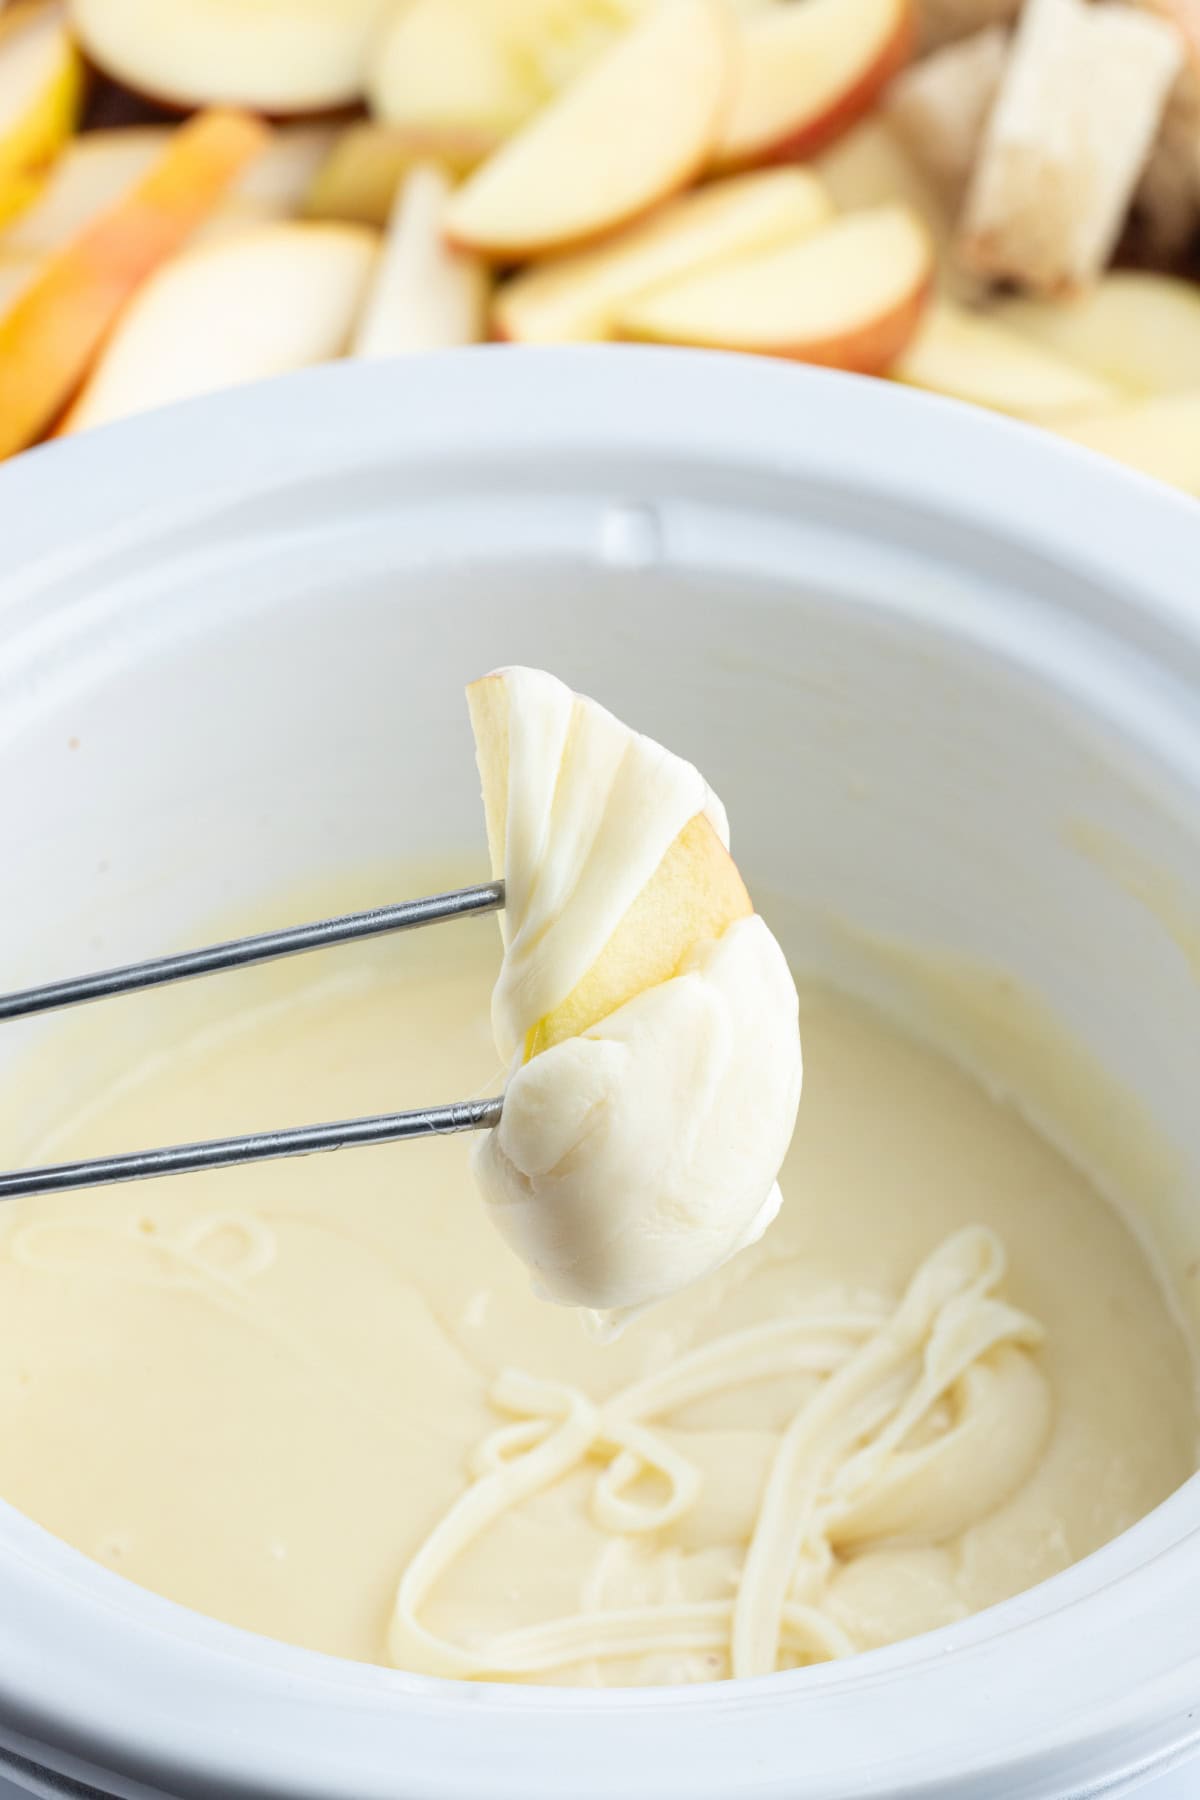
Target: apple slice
{"type": "Point", "coordinates": [806, 71]}
{"type": "Point", "coordinates": [631, 130]}
{"type": "Point", "coordinates": [360, 178]}
{"type": "Point", "coordinates": [869, 167]}
{"type": "Point", "coordinates": [968, 356]}
{"type": "Point", "coordinates": [40, 91]}
{"type": "Point", "coordinates": [96, 169]}
{"type": "Point", "coordinates": [91, 174]}
{"type": "Point", "coordinates": [16, 274]}
{"type": "Point", "coordinates": [1138, 330]}
{"type": "Point", "coordinates": [851, 296]}
{"type": "Point", "coordinates": [426, 295]}
{"type": "Point", "coordinates": [577, 298]}
{"type": "Point", "coordinates": [276, 184]}
{"type": "Point", "coordinates": [276, 298]}
{"type": "Point", "coordinates": [695, 893]}
{"type": "Point", "coordinates": [1159, 437]}
{"type": "Point", "coordinates": [290, 56]}
{"type": "Point", "coordinates": [648, 1019]}
{"type": "Point", "coordinates": [50, 337]}
{"type": "Point", "coordinates": [456, 77]}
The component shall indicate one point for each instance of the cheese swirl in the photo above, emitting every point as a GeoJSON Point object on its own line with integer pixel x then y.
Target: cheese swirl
{"type": "Point", "coordinates": [924, 1417]}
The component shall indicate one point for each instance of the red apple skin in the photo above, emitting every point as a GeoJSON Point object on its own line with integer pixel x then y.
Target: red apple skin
{"type": "Point", "coordinates": [816, 134]}
{"type": "Point", "coordinates": [873, 350]}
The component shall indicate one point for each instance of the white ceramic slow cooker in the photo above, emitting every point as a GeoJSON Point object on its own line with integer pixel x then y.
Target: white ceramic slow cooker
{"type": "Point", "coordinates": [912, 645]}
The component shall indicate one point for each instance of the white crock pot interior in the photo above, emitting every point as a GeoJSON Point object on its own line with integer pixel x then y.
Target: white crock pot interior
{"type": "Point", "coordinates": [913, 648]}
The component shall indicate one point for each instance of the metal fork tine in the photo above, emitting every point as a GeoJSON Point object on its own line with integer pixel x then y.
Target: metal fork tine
{"type": "Point", "coordinates": [243, 953]}
{"type": "Point", "coordinates": [260, 1146]}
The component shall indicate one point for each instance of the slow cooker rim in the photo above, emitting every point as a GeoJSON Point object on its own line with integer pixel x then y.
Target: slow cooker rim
{"type": "Point", "coordinates": [686, 406]}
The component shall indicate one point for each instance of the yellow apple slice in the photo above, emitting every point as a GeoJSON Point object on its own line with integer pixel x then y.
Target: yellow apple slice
{"type": "Point", "coordinates": [1158, 437]}
{"type": "Point", "coordinates": [630, 131]}
{"type": "Point", "coordinates": [1139, 330]}
{"type": "Point", "coordinates": [968, 356]}
{"type": "Point", "coordinates": [50, 337]}
{"type": "Point", "coordinates": [806, 71]}
{"type": "Point", "coordinates": [456, 77]}
{"type": "Point", "coordinates": [850, 296]}
{"type": "Point", "coordinates": [93, 171]}
{"type": "Point", "coordinates": [96, 169]}
{"type": "Point", "coordinates": [576, 299]}
{"type": "Point", "coordinates": [40, 92]}
{"type": "Point", "coordinates": [360, 178]}
{"type": "Point", "coordinates": [694, 895]}
{"type": "Point", "coordinates": [276, 298]}
{"type": "Point", "coordinates": [278, 56]}
{"type": "Point", "coordinates": [425, 295]}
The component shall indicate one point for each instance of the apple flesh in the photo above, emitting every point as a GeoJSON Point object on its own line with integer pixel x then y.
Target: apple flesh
{"type": "Point", "coordinates": [360, 178]}
{"type": "Point", "coordinates": [576, 299]}
{"type": "Point", "coordinates": [850, 296]}
{"type": "Point", "coordinates": [968, 356]}
{"type": "Point", "coordinates": [694, 895]}
{"type": "Point", "coordinates": [293, 56]}
{"type": "Point", "coordinates": [276, 298]}
{"type": "Point", "coordinates": [92, 173]}
{"type": "Point", "coordinates": [96, 169]}
{"type": "Point", "coordinates": [40, 93]}
{"type": "Point", "coordinates": [632, 130]}
{"type": "Point", "coordinates": [1160, 438]}
{"type": "Point", "coordinates": [1137, 330]}
{"type": "Point", "coordinates": [806, 71]}
{"type": "Point", "coordinates": [50, 336]}
{"type": "Point", "coordinates": [16, 274]}
{"type": "Point", "coordinates": [454, 78]}
{"type": "Point", "coordinates": [425, 295]}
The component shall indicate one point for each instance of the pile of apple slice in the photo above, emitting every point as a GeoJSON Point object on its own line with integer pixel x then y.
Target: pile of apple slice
{"type": "Point", "coordinates": [720, 173]}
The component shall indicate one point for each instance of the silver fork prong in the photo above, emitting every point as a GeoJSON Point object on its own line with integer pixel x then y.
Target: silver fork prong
{"type": "Point", "coordinates": [260, 1146]}
{"type": "Point", "coordinates": [243, 953]}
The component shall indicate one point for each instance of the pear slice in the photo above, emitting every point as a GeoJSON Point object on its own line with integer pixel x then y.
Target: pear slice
{"type": "Point", "coordinates": [850, 296]}
{"type": "Point", "coordinates": [425, 295]}
{"type": "Point", "coordinates": [693, 896]}
{"type": "Point", "coordinates": [275, 298]}
{"type": "Point", "coordinates": [50, 336]}
{"type": "Point", "coordinates": [575, 299]}
{"type": "Point", "coordinates": [632, 130]}
{"type": "Point", "coordinates": [40, 92]}
{"type": "Point", "coordinates": [284, 57]}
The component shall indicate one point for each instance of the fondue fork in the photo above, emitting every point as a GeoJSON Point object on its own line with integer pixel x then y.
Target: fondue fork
{"type": "Point", "coordinates": [243, 953]}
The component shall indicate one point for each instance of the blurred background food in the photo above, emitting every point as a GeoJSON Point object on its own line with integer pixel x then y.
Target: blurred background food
{"type": "Point", "coordinates": [995, 200]}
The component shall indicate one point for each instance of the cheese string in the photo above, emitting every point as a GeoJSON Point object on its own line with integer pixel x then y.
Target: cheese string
{"type": "Point", "coordinates": [881, 1370]}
